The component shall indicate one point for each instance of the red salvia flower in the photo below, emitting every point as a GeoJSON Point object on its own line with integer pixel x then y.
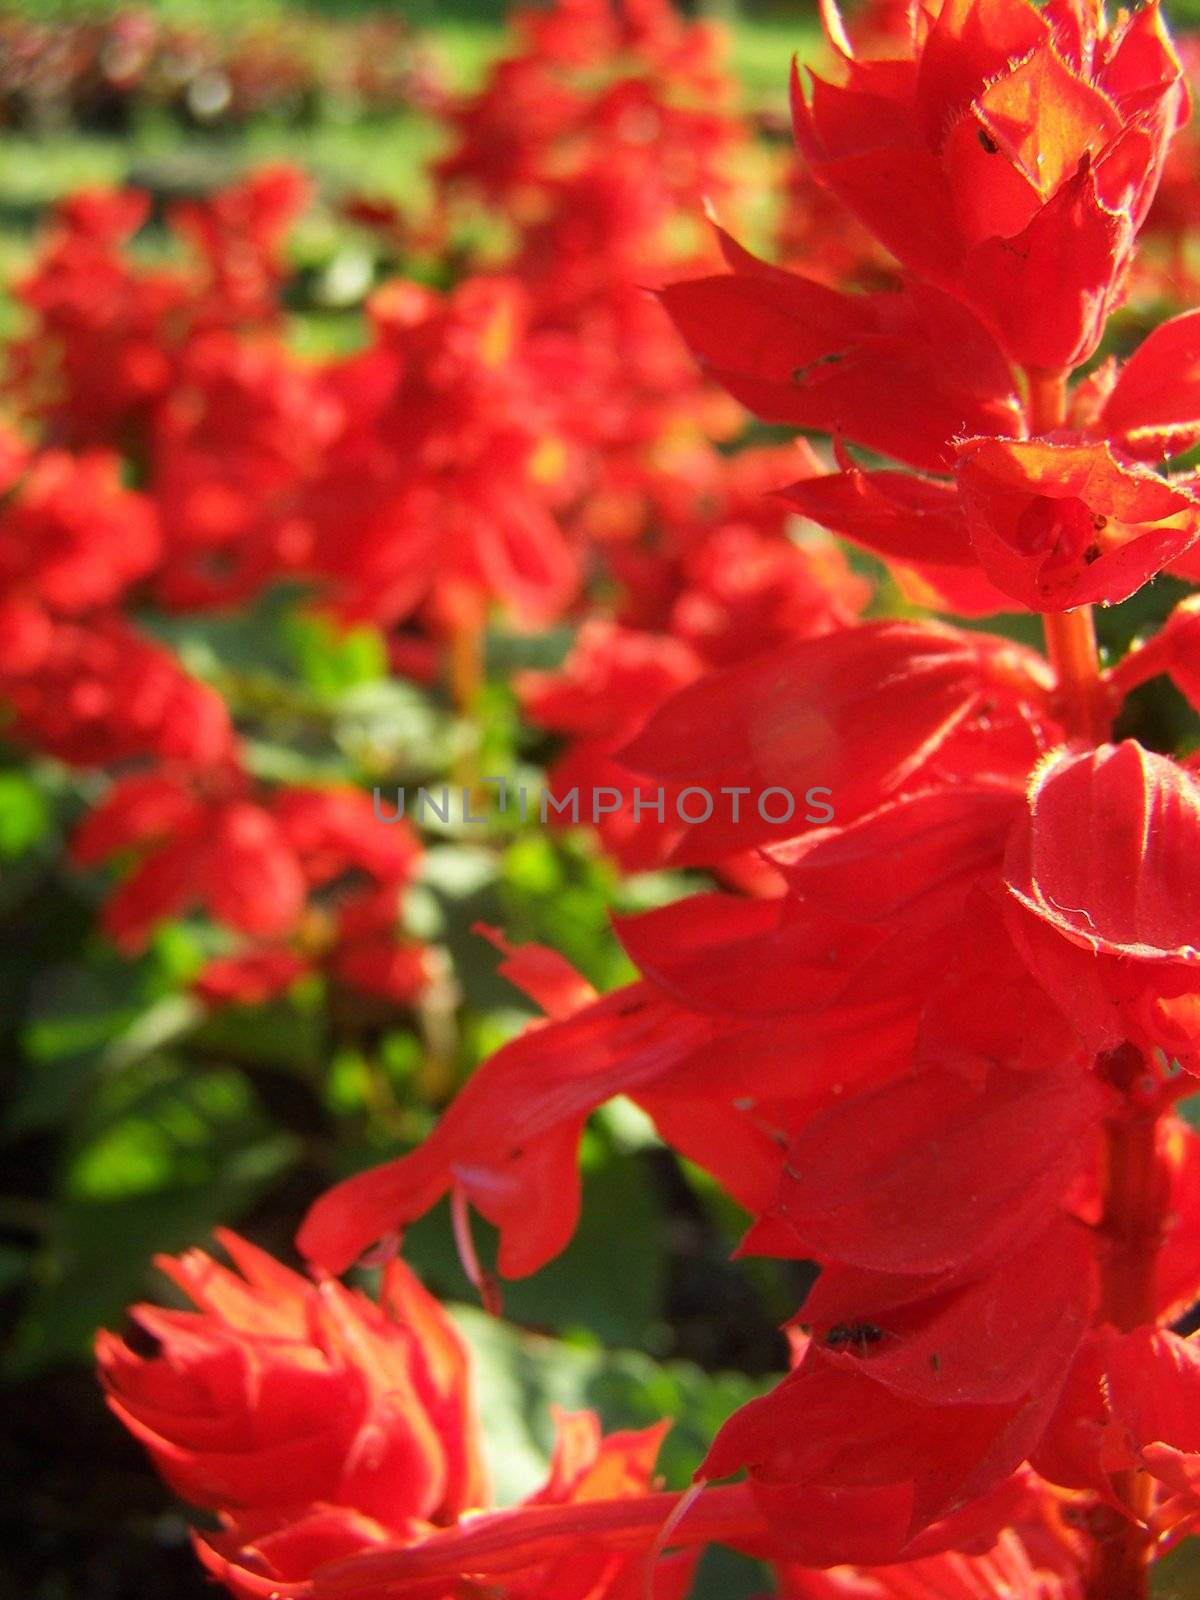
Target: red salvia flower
{"type": "Point", "coordinates": [322, 1426]}
{"type": "Point", "coordinates": [278, 1393]}
{"type": "Point", "coordinates": [290, 869]}
{"type": "Point", "coordinates": [441, 488]}
{"type": "Point", "coordinates": [1062, 525]}
{"type": "Point", "coordinates": [71, 538]}
{"type": "Point", "coordinates": [97, 693]}
{"type": "Point", "coordinates": [1026, 144]}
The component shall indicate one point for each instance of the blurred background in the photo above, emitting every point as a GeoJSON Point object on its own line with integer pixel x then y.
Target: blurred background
{"type": "Point", "coordinates": [132, 1128]}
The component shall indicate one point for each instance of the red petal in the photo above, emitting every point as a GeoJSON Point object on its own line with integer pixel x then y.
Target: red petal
{"type": "Point", "coordinates": [1109, 853]}
{"type": "Point", "coordinates": [1154, 408]}
{"type": "Point", "coordinates": [1062, 525]}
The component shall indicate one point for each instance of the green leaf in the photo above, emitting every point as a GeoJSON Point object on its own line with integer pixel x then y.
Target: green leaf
{"type": "Point", "coordinates": [82, 1021]}
{"type": "Point", "coordinates": [98, 1260]}
{"type": "Point", "coordinates": [332, 659]}
{"type": "Point", "coordinates": [287, 1032]}
{"type": "Point", "coordinates": [521, 1375]}
{"type": "Point", "coordinates": [388, 727]}
{"type": "Point", "coordinates": [161, 1154]}
{"type": "Point", "coordinates": [252, 639]}
{"type": "Point", "coordinates": [24, 814]}
{"type": "Point", "coordinates": [608, 1286]}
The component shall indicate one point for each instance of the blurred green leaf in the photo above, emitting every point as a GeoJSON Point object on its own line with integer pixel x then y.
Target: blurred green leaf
{"type": "Point", "coordinates": [557, 892]}
{"type": "Point", "coordinates": [607, 1286]}
{"type": "Point", "coordinates": [390, 727]}
{"type": "Point", "coordinates": [332, 659]}
{"type": "Point", "coordinates": [288, 1032]}
{"type": "Point", "coordinates": [252, 638]}
{"type": "Point", "coordinates": [81, 1021]}
{"type": "Point", "coordinates": [98, 1260]}
{"type": "Point", "coordinates": [1177, 1577]}
{"type": "Point", "coordinates": [160, 1126]}
{"type": "Point", "coordinates": [160, 1155]}
{"type": "Point", "coordinates": [520, 1376]}
{"type": "Point", "coordinates": [24, 814]}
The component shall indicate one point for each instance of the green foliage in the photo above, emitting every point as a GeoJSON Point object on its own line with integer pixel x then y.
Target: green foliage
{"type": "Point", "coordinates": [160, 1156]}
{"type": "Point", "coordinates": [521, 1376]}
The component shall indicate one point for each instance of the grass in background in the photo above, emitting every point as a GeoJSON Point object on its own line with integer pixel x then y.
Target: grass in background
{"type": "Point", "coordinates": [381, 156]}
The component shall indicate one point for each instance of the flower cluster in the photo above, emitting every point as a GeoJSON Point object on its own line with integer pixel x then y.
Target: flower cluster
{"type": "Point", "coordinates": [934, 1046]}
{"type": "Point", "coordinates": [513, 445]}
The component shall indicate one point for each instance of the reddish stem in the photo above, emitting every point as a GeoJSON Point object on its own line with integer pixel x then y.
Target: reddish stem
{"type": "Point", "coordinates": [1070, 635]}
{"type": "Point", "coordinates": [466, 682]}
{"type": "Point", "coordinates": [1134, 1202]}
{"type": "Point", "coordinates": [1134, 1191]}
{"type": "Point", "coordinates": [1083, 701]}
{"type": "Point", "coordinates": [466, 661]}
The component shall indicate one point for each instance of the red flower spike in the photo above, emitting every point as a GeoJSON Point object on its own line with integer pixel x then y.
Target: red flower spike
{"type": "Point", "coordinates": [146, 806]}
{"type": "Point", "coordinates": [231, 858]}
{"type": "Point", "coordinates": [1027, 154]}
{"type": "Point", "coordinates": [99, 693]}
{"type": "Point", "coordinates": [252, 865]}
{"type": "Point", "coordinates": [884, 1046]}
{"type": "Point", "coordinates": [441, 488]}
{"type": "Point", "coordinates": [320, 1427]}
{"type": "Point", "coordinates": [72, 536]}
{"type": "Point", "coordinates": [336, 831]}
{"type": "Point", "coordinates": [1062, 525]}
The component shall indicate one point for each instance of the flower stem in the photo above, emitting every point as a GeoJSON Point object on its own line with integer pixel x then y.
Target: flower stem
{"type": "Point", "coordinates": [466, 675]}
{"type": "Point", "coordinates": [1130, 1234]}
{"type": "Point", "coordinates": [1134, 1201]}
{"type": "Point", "coordinates": [1134, 1190]}
{"type": "Point", "coordinates": [1130, 1229]}
{"type": "Point", "coordinates": [1070, 635]}
{"type": "Point", "coordinates": [1083, 702]}
{"type": "Point", "coordinates": [1046, 405]}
